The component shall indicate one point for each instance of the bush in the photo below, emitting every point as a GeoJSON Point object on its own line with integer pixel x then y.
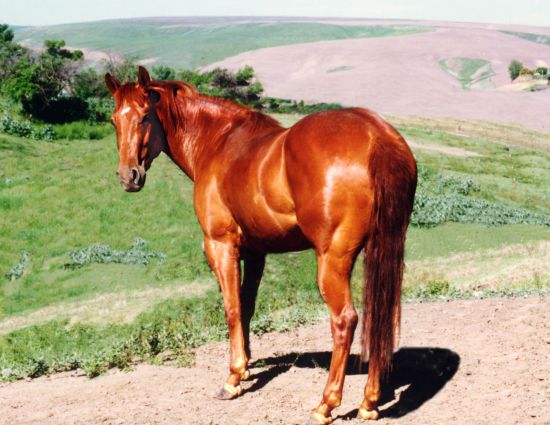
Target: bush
{"type": "Point", "coordinates": [88, 84]}
{"type": "Point", "coordinates": [163, 73]}
{"type": "Point", "coordinates": [136, 254]}
{"type": "Point", "coordinates": [57, 110]}
{"type": "Point", "coordinates": [82, 130]}
{"type": "Point", "coordinates": [17, 270]}
{"type": "Point", "coordinates": [542, 70]}
{"type": "Point", "coordinates": [526, 71]}
{"type": "Point", "coordinates": [514, 69]}
{"type": "Point", "coordinates": [25, 128]}
{"type": "Point", "coordinates": [286, 106]}
{"type": "Point", "coordinates": [99, 108]}
{"type": "Point", "coordinates": [440, 199]}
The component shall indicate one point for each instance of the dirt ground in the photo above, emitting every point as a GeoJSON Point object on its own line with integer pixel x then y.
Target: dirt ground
{"type": "Point", "coordinates": [462, 362]}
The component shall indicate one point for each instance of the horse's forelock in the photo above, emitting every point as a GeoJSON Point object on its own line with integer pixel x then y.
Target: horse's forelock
{"type": "Point", "coordinates": [129, 93]}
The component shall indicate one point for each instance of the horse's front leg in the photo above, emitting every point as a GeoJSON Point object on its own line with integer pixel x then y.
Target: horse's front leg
{"type": "Point", "coordinates": [223, 257]}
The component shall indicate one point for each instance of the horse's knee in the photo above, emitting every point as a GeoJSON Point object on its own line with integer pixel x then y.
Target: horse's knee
{"type": "Point", "coordinates": [344, 324]}
{"type": "Point", "coordinates": [232, 316]}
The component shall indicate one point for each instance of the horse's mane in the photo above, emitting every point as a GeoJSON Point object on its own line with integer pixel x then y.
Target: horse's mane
{"type": "Point", "coordinates": [186, 106]}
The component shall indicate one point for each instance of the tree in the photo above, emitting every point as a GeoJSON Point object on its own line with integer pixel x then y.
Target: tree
{"type": "Point", "coordinates": [87, 83]}
{"type": "Point", "coordinates": [542, 70]}
{"type": "Point", "coordinates": [163, 73]}
{"type": "Point", "coordinates": [10, 53]}
{"type": "Point", "coordinates": [514, 69]}
{"type": "Point", "coordinates": [41, 83]}
{"type": "Point", "coordinates": [123, 69]}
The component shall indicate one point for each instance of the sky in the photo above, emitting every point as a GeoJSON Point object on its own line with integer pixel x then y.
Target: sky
{"type": "Point", "coordinates": [48, 12]}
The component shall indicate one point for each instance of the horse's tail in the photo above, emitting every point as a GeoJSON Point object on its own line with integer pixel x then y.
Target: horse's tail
{"type": "Point", "coordinates": [392, 172]}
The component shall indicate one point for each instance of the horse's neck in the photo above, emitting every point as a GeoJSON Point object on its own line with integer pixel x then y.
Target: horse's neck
{"type": "Point", "coordinates": [206, 124]}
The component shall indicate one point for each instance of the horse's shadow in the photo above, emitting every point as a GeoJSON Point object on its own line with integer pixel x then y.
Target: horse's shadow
{"type": "Point", "coordinates": [424, 371]}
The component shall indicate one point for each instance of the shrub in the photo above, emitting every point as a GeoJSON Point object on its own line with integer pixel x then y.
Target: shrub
{"type": "Point", "coordinates": [163, 73]}
{"type": "Point", "coordinates": [82, 130]}
{"type": "Point", "coordinates": [17, 270]}
{"type": "Point", "coordinates": [514, 69]}
{"type": "Point", "coordinates": [136, 254]}
{"type": "Point", "coordinates": [526, 71]}
{"type": "Point", "coordinates": [440, 199]}
{"type": "Point", "coordinates": [287, 106]}
{"type": "Point", "coordinates": [25, 128]}
{"type": "Point", "coordinates": [88, 84]}
{"type": "Point", "coordinates": [100, 108]}
{"type": "Point", "coordinates": [57, 110]}
{"type": "Point", "coordinates": [542, 70]}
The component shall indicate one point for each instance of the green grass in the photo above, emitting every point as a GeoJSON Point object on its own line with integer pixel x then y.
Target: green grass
{"type": "Point", "coordinates": [536, 38]}
{"type": "Point", "coordinates": [472, 73]}
{"type": "Point", "coordinates": [58, 197]}
{"type": "Point", "coordinates": [191, 46]}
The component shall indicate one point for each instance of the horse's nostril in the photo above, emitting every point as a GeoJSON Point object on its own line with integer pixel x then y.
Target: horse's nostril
{"type": "Point", "coordinates": [135, 175]}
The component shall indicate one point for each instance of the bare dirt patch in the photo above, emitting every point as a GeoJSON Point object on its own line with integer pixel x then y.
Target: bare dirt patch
{"type": "Point", "coordinates": [467, 362]}
{"type": "Point", "coordinates": [402, 76]}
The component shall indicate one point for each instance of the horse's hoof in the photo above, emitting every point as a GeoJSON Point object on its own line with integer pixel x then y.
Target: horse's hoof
{"type": "Point", "coordinates": [318, 419]}
{"type": "Point", "coordinates": [229, 392]}
{"type": "Point", "coordinates": [245, 375]}
{"type": "Point", "coordinates": [368, 415]}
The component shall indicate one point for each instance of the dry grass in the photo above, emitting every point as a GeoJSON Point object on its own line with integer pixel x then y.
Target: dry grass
{"type": "Point", "coordinates": [506, 134]}
{"type": "Point", "coordinates": [116, 307]}
{"type": "Point", "coordinates": [506, 267]}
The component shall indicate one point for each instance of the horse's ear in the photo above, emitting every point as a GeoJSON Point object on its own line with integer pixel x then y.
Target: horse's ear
{"type": "Point", "coordinates": [111, 83]}
{"type": "Point", "coordinates": [143, 76]}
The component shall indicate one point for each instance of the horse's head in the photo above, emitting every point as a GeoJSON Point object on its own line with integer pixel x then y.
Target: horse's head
{"type": "Point", "coordinates": [140, 136]}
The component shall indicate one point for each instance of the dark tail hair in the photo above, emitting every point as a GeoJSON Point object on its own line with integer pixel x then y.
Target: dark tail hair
{"type": "Point", "coordinates": [393, 178]}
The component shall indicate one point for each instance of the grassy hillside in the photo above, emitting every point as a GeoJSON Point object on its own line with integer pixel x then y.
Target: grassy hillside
{"type": "Point", "coordinates": [103, 306]}
{"type": "Point", "coordinates": [472, 73]}
{"type": "Point", "coordinates": [536, 38]}
{"type": "Point", "coordinates": [191, 45]}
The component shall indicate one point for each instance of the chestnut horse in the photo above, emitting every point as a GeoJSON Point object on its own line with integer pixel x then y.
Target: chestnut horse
{"type": "Point", "coordinates": [337, 181]}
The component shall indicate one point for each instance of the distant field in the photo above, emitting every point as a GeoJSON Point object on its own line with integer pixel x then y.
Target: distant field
{"type": "Point", "coordinates": [193, 45]}
{"type": "Point", "coordinates": [536, 38]}
{"type": "Point", "coordinates": [473, 74]}
{"type": "Point", "coordinates": [61, 196]}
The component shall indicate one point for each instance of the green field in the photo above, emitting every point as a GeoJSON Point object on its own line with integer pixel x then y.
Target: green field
{"type": "Point", "coordinates": [472, 73]}
{"type": "Point", "coordinates": [58, 197]}
{"type": "Point", "coordinates": [536, 38]}
{"type": "Point", "coordinates": [188, 45]}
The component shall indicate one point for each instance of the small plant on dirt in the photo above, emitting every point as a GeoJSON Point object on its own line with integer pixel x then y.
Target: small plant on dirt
{"type": "Point", "coordinates": [514, 69]}
{"type": "Point", "coordinates": [38, 367]}
{"type": "Point", "coordinates": [433, 289]}
{"type": "Point", "coordinates": [136, 254]}
{"type": "Point", "coordinates": [17, 270]}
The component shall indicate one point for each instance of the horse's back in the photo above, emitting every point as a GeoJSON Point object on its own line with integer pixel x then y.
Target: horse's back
{"type": "Point", "coordinates": [328, 157]}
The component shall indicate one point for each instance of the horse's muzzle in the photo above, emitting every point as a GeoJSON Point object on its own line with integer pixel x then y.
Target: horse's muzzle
{"type": "Point", "coordinates": [131, 179]}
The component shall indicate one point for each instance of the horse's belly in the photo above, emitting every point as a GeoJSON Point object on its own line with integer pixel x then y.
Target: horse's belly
{"type": "Point", "coordinates": [270, 231]}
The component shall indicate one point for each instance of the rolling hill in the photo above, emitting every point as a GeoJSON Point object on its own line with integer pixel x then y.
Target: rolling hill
{"type": "Point", "coordinates": [191, 43]}
{"type": "Point", "coordinates": [400, 67]}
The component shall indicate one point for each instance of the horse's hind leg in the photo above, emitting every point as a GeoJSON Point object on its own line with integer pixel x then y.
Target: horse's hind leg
{"type": "Point", "coordinates": [333, 275]}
